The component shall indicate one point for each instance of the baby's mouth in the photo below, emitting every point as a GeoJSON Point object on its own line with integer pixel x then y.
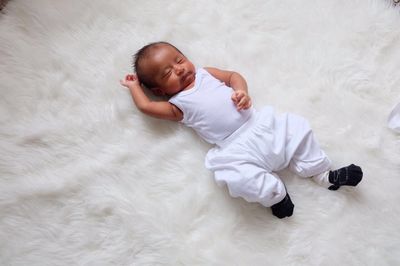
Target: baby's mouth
{"type": "Point", "coordinates": [187, 79]}
{"type": "Point", "coordinates": [186, 76]}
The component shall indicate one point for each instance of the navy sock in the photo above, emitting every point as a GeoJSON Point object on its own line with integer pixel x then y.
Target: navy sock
{"type": "Point", "coordinates": [347, 176]}
{"type": "Point", "coordinates": [284, 208]}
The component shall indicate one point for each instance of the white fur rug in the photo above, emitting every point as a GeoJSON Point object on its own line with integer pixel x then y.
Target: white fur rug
{"type": "Point", "coordinates": [85, 179]}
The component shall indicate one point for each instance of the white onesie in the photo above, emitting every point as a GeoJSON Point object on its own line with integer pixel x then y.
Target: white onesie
{"type": "Point", "coordinates": [250, 145]}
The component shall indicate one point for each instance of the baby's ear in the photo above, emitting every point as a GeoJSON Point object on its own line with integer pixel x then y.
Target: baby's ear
{"type": "Point", "coordinates": [158, 92]}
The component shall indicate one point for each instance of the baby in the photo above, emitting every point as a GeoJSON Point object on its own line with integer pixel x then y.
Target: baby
{"type": "Point", "coordinates": [250, 146]}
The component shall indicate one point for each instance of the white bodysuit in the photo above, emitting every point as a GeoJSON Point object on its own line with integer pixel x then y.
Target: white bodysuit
{"type": "Point", "coordinates": [250, 145]}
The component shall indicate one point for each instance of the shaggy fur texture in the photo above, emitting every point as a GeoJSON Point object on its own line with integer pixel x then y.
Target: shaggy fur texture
{"type": "Point", "coordinates": [85, 179]}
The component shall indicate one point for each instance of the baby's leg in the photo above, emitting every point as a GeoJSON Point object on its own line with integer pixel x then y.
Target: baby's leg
{"type": "Point", "coordinates": [346, 176]}
{"type": "Point", "coordinates": [255, 184]}
{"type": "Point", "coordinates": [310, 161]}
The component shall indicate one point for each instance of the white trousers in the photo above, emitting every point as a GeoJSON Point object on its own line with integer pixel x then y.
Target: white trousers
{"type": "Point", "coordinates": [247, 161]}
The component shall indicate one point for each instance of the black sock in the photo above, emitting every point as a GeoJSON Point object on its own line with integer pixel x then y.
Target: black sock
{"type": "Point", "coordinates": [347, 176]}
{"type": "Point", "coordinates": [284, 208]}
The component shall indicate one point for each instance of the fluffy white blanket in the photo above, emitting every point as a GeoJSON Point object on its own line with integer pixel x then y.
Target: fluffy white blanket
{"type": "Point", "coordinates": [85, 179]}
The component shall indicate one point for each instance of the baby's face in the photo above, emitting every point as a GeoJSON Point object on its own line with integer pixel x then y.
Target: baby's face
{"type": "Point", "coordinates": [171, 70]}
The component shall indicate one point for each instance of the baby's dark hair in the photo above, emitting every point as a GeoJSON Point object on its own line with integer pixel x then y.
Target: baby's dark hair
{"type": "Point", "coordinates": [141, 54]}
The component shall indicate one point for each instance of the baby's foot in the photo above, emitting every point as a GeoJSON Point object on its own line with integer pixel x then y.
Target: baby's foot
{"type": "Point", "coordinates": [284, 208]}
{"type": "Point", "coordinates": [347, 176]}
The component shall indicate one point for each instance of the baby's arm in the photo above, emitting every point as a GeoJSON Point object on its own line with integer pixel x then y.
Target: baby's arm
{"type": "Point", "coordinates": [234, 80]}
{"type": "Point", "coordinates": [159, 109]}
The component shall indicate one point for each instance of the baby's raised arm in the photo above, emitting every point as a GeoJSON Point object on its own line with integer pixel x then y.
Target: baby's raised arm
{"type": "Point", "coordinates": [236, 81]}
{"type": "Point", "coordinates": [158, 109]}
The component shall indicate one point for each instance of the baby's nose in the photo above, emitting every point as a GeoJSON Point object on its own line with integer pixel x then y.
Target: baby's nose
{"type": "Point", "coordinates": [179, 70]}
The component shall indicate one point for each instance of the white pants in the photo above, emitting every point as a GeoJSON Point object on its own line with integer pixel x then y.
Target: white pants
{"type": "Point", "coordinates": [247, 161]}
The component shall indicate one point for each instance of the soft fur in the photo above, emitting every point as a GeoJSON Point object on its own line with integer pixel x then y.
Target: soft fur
{"type": "Point", "coordinates": [85, 179]}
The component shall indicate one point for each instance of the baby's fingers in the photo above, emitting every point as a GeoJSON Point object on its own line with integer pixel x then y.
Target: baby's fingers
{"type": "Point", "coordinates": [122, 82]}
{"type": "Point", "coordinates": [242, 99]}
{"type": "Point", "coordinates": [234, 98]}
{"type": "Point", "coordinates": [238, 95]}
{"type": "Point", "coordinates": [244, 103]}
{"type": "Point", "coordinates": [248, 105]}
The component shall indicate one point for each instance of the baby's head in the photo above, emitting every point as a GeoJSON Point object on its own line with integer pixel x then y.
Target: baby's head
{"type": "Point", "coordinates": [163, 69]}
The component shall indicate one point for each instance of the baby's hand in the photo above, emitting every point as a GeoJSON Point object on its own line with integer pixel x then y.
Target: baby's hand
{"type": "Point", "coordinates": [129, 81]}
{"type": "Point", "coordinates": [241, 99]}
